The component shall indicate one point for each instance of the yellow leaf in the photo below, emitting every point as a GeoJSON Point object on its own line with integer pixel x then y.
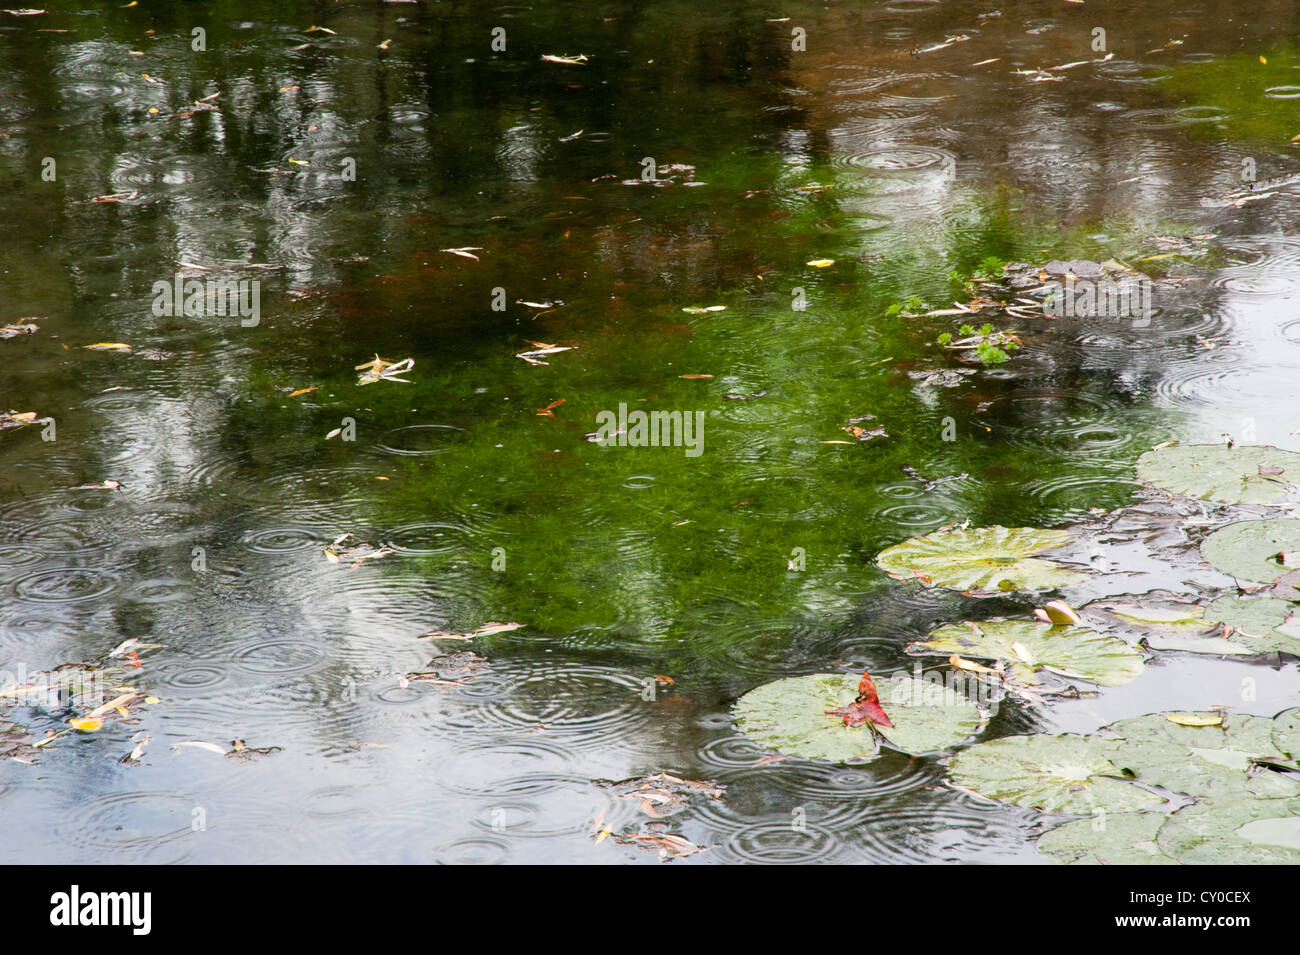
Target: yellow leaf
{"type": "Point", "coordinates": [1264, 61]}
{"type": "Point", "coordinates": [86, 724]}
{"type": "Point", "coordinates": [123, 712]}
{"type": "Point", "coordinates": [110, 346]}
{"type": "Point", "coordinates": [1195, 719]}
{"type": "Point", "coordinates": [303, 391]}
{"type": "Point", "coordinates": [298, 162]}
{"type": "Point", "coordinates": [961, 663]}
{"type": "Point", "coordinates": [151, 700]}
{"type": "Point", "coordinates": [821, 263]}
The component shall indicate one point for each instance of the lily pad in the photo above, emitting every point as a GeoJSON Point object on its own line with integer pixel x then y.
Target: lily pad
{"type": "Point", "coordinates": [1070, 651]}
{"type": "Point", "coordinates": [790, 716]}
{"type": "Point", "coordinates": [1234, 832]}
{"type": "Point", "coordinates": [1249, 550]}
{"type": "Point", "coordinates": [1121, 838]}
{"type": "Point", "coordinates": [1204, 761]}
{"type": "Point", "coordinates": [1255, 474]}
{"type": "Point", "coordinates": [1178, 618]}
{"type": "Point", "coordinates": [1286, 733]}
{"type": "Point", "coordinates": [981, 559]}
{"type": "Point", "coordinates": [1262, 624]}
{"type": "Point", "coordinates": [1067, 773]}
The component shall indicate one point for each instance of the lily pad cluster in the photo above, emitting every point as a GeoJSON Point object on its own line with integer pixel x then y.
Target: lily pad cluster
{"type": "Point", "coordinates": [1166, 788]}
{"type": "Point", "coordinates": [1137, 779]}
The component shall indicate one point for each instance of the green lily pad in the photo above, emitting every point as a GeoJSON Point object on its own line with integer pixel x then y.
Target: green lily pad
{"type": "Point", "coordinates": [1177, 618]}
{"type": "Point", "coordinates": [1070, 651]}
{"type": "Point", "coordinates": [790, 716]}
{"type": "Point", "coordinates": [981, 559]}
{"type": "Point", "coordinates": [1204, 761]}
{"type": "Point", "coordinates": [1263, 624]}
{"type": "Point", "coordinates": [1248, 550]}
{"type": "Point", "coordinates": [1067, 773]}
{"type": "Point", "coordinates": [1234, 832]}
{"type": "Point", "coordinates": [1216, 472]}
{"type": "Point", "coordinates": [1286, 733]}
{"type": "Point", "coordinates": [1122, 838]}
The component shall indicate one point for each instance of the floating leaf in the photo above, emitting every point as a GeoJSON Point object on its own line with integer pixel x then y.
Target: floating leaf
{"type": "Point", "coordinates": [866, 708]}
{"type": "Point", "coordinates": [1071, 651]}
{"type": "Point", "coordinates": [86, 724]}
{"type": "Point", "coordinates": [821, 263]}
{"type": "Point", "coordinates": [1286, 733]}
{"type": "Point", "coordinates": [1260, 624]}
{"type": "Point", "coordinates": [383, 369]}
{"type": "Point", "coordinates": [1066, 773]}
{"type": "Point", "coordinates": [1254, 550]}
{"type": "Point", "coordinates": [200, 744]}
{"type": "Point", "coordinates": [1177, 617]}
{"type": "Point", "coordinates": [109, 346]}
{"type": "Point", "coordinates": [1121, 838]}
{"type": "Point", "coordinates": [242, 753]}
{"type": "Point", "coordinates": [483, 631]}
{"type": "Point", "coordinates": [981, 559]}
{"type": "Point", "coordinates": [1195, 719]}
{"type": "Point", "coordinates": [1203, 761]}
{"type": "Point", "coordinates": [791, 716]}
{"type": "Point", "coordinates": [1217, 472]}
{"type": "Point", "coordinates": [1234, 832]}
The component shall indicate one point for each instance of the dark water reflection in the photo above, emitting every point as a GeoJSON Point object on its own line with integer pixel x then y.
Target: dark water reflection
{"type": "Point", "coordinates": [623, 564]}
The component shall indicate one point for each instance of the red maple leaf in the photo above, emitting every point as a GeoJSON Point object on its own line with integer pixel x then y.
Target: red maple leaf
{"type": "Point", "coordinates": [865, 708]}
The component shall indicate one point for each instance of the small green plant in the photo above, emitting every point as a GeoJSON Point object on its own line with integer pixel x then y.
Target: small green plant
{"type": "Point", "coordinates": [990, 347]}
{"type": "Point", "coordinates": [989, 269]}
{"type": "Point", "coordinates": [914, 305]}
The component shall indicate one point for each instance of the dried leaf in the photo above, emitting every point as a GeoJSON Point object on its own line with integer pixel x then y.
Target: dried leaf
{"type": "Point", "coordinates": [1195, 719]}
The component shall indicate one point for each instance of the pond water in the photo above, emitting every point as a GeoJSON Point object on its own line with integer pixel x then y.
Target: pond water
{"type": "Point", "coordinates": [693, 160]}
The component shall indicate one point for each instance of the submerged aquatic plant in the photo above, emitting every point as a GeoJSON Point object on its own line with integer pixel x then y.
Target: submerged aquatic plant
{"type": "Point", "coordinates": [990, 346]}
